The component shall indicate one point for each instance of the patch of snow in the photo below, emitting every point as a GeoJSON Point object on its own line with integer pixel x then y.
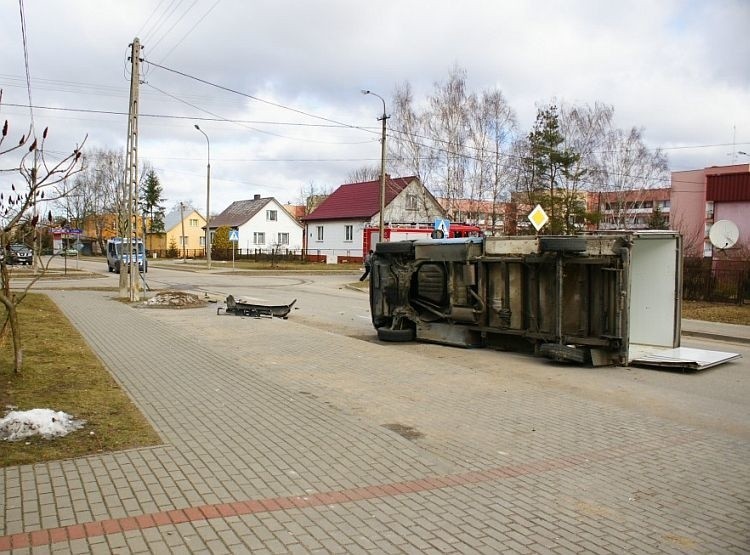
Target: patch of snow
{"type": "Point", "coordinates": [18, 425]}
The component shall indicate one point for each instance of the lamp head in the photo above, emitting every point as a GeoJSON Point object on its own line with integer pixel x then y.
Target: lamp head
{"type": "Point", "coordinates": [365, 91]}
{"type": "Point", "coordinates": [198, 128]}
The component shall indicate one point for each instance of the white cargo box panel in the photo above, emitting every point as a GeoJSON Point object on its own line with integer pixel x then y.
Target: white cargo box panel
{"type": "Point", "coordinates": [685, 357]}
{"type": "Point", "coordinates": [655, 307]}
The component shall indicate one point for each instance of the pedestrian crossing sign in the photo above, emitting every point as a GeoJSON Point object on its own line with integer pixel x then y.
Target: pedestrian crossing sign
{"type": "Point", "coordinates": [442, 225]}
{"type": "Point", "coordinates": [234, 235]}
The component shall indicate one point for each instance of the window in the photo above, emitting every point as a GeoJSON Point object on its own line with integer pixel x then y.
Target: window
{"type": "Point", "coordinates": [271, 215]}
{"type": "Point", "coordinates": [348, 233]}
{"type": "Point", "coordinates": [283, 239]}
{"type": "Point", "coordinates": [202, 242]}
{"type": "Point", "coordinates": [193, 222]}
{"type": "Point", "coordinates": [259, 238]}
{"type": "Point", "coordinates": [319, 230]}
{"type": "Point", "coordinates": [183, 241]}
{"type": "Point", "coordinates": [411, 202]}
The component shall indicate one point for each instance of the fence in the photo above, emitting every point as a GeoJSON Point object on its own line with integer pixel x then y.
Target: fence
{"type": "Point", "coordinates": [261, 255]}
{"type": "Point", "coordinates": [704, 281]}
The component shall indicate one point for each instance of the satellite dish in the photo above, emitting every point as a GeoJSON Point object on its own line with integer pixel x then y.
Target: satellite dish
{"type": "Point", "coordinates": [723, 234]}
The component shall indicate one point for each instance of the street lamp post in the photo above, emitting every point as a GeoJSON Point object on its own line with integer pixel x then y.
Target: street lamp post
{"type": "Point", "coordinates": [382, 118]}
{"type": "Point", "coordinates": [208, 196]}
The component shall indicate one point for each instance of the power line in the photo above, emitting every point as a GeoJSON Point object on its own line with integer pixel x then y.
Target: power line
{"type": "Point", "coordinates": [164, 35]}
{"type": "Point", "coordinates": [148, 19]}
{"type": "Point", "coordinates": [166, 14]}
{"type": "Point", "coordinates": [221, 118]}
{"type": "Point", "coordinates": [200, 20]}
{"type": "Point", "coordinates": [257, 99]}
{"type": "Point", "coordinates": [26, 64]}
{"type": "Point", "coordinates": [170, 116]}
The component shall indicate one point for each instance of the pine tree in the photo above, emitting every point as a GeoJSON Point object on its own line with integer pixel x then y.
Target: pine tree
{"type": "Point", "coordinates": [657, 220]}
{"type": "Point", "coordinates": [151, 202]}
{"type": "Point", "coordinates": [548, 165]}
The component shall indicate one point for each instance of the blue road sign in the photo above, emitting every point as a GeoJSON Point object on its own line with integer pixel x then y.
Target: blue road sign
{"type": "Point", "coordinates": [234, 235]}
{"type": "Point", "coordinates": [442, 225]}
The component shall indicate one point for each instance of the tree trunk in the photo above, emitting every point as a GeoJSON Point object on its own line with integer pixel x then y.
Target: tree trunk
{"type": "Point", "coordinates": [12, 319]}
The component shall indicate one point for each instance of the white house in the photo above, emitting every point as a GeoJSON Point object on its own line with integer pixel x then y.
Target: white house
{"type": "Point", "coordinates": [262, 224]}
{"type": "Point", "coordinates": [336, 227]}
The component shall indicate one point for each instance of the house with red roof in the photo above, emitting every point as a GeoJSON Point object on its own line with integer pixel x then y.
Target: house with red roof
{"type": "Point", "coordinates": [336, 227]}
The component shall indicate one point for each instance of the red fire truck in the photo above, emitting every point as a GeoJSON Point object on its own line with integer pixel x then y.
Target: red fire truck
{"type": "Point", "coordinates": [405, 232]}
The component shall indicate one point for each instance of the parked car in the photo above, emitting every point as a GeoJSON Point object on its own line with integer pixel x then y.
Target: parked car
{"type": "Point", "coordinates": [20, 254]}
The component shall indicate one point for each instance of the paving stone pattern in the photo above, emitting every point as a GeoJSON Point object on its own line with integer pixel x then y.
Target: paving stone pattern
{"type": "Point", "coordinates": [274, 442]}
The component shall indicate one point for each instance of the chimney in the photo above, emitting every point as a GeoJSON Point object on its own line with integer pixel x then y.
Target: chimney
{"type": "Point", "coordinates": [256, 197]}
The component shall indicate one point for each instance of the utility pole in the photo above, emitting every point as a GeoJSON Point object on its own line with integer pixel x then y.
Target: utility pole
{"type": "Point", "coordinates": [129, 282]}
{"type": "Point", "coordinates": [182, 239]}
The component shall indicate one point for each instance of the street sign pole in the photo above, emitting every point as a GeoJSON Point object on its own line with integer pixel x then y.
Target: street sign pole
{"type": "Point", "coordinates": [234, 237]}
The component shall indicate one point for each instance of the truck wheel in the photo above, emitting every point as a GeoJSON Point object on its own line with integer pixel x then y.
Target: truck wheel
{"type": "Point", "coordinates": [117, 268]}
{"type": "Point", "coordinates": [396, 336]}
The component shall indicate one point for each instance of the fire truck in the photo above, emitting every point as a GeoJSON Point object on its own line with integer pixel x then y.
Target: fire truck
{"type": "Point", "coordinates": [406, 232]}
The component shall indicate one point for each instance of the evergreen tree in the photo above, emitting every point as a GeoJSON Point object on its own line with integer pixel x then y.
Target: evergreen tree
{"type": "Point", "coordinates": [657, 220]}
{"type": "Point", "coordinates": [548, 172]}
{"type": "Point", "coordinates": [151, 202]}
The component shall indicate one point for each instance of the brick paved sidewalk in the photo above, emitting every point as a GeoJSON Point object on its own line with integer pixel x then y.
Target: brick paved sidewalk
{"type": "Point", "coordinates": [253, 462]}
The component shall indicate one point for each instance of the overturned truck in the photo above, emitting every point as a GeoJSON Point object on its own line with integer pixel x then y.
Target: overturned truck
{"type": "Point", "coordinates": [609, 298]}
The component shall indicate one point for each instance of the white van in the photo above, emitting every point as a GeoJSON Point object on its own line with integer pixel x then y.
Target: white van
{"type": "Point", "coordinates": [116, 258]}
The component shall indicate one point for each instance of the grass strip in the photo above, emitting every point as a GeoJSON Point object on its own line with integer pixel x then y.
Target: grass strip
{"type": "Point", "coordinates": [60, 372]}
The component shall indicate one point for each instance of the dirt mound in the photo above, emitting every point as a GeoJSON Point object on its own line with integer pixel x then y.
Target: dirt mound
{"type": "Point", "coordinates": [175, 299]}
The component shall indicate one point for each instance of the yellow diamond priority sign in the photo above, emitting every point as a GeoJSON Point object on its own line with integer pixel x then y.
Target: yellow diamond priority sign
{"type": "Point", "coordinates": [538, 217]}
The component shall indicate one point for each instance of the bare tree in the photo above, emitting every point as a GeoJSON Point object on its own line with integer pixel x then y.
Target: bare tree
{"type": "Point", "coordinates": [448, 129]}
{"type": "Point", "coordinates": [365, 173]}
{"type": "Point", "coordinates": [492, 125]}
{"type": "Point", "coordinates": [457, 144]}
{"type": "Point", "coordinates": [626, 166]}
{"type": "Point", "coordinates": [19, 208]}
{"type": "Point", "coordinates": [408, 152]}
{"type": "Point", "coordinates": [311, 195]}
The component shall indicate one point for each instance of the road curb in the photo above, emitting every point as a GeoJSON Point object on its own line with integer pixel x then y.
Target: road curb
{"type": "Point", "coordinates": [717, 337]}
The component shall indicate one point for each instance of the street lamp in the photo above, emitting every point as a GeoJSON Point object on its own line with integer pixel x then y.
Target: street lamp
{"type": "Point", "coordinates": [382, 118]}
{"type": "Point", "coordinates": [208, 196]}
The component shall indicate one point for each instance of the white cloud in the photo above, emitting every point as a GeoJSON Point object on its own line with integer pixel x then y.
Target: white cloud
{"type": "Point", "coordinates": [677, 68]}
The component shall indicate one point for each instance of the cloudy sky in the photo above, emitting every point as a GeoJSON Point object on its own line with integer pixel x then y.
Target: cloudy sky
{"type": "Point", "coordinates": [679, 69]}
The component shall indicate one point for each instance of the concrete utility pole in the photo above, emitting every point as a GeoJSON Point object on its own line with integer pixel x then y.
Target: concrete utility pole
{"type": "Point", "coordinates": [129, 282]}
{"type": "Point", "coordinates": [382, 118]}
{"type": "Point", "coordinates": [208, 196]}
{"type": "Point", "coordinates": [182, 221]}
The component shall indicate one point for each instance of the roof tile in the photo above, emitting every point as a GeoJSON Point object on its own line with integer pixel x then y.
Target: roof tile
{"type": "Point", "coordinates": [358, 200]}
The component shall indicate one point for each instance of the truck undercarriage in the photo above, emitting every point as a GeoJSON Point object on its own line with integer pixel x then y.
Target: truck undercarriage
{"type": "Point", "coordinates": [600, 299]}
